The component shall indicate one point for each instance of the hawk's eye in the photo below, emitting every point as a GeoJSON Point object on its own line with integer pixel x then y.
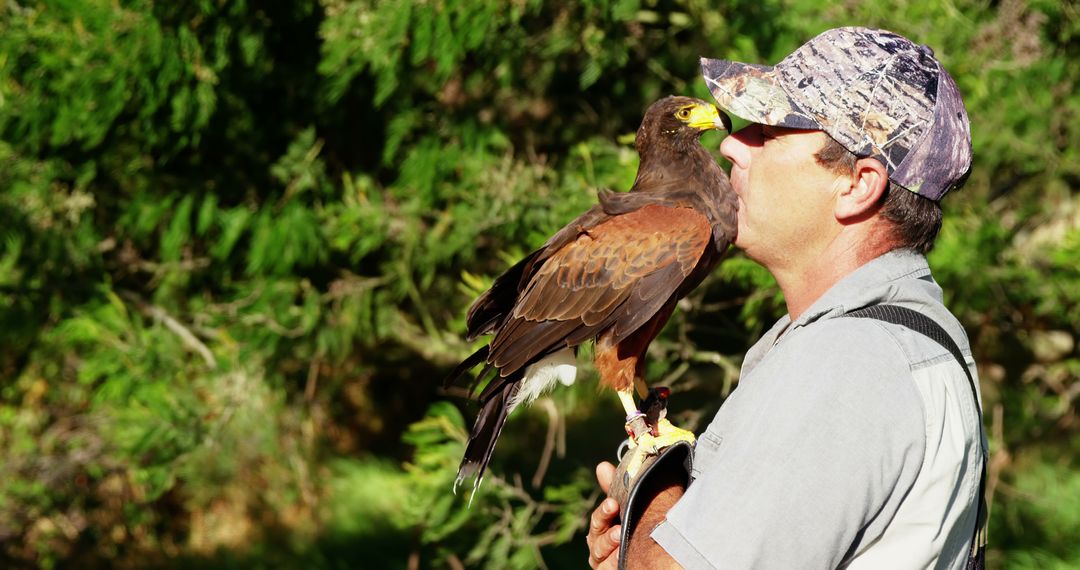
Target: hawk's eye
{"type": "Point", "coordinates": [683, 114]}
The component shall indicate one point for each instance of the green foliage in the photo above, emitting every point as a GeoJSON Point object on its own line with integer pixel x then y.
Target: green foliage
{"type": "Point", "coordinates": [237, 241]}
{"type": "Point", "coordinates": [1048, 490]}
{"type": "Point", "coordinates": [503, 531]}
{"type": "Point", "coordinates": [502, 526]}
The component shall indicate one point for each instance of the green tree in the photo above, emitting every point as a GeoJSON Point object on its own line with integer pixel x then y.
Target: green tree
{"type": "Point", "coordinates": [237, 240]}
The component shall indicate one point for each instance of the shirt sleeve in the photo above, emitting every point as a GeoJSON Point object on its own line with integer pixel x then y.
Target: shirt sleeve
{"type": "Point", "coordinates": [825, 435]}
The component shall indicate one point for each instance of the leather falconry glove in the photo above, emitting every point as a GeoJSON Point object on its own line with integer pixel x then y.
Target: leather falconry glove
{"type": "Point", "coordinates": [658, 451]}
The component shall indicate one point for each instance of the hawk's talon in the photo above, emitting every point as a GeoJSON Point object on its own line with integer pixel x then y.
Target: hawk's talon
{"type": "Point", "coordinates": [668, 434]}
{"type": "Point", "coordinates": [649, 442]}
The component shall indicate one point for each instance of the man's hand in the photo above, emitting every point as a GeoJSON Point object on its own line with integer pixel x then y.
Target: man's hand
{"type": "Point", "coordinates": [604, 534]}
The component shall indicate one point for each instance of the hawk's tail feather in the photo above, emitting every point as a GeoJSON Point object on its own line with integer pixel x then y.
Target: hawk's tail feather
{"type": "Point", "coordinates": [486, 430]}
{"type": "Point", "coordinates": [466, 365]}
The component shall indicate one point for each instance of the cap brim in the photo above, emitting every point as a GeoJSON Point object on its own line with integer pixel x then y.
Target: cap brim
{"type": "Point", "coordinates": [753, 92]}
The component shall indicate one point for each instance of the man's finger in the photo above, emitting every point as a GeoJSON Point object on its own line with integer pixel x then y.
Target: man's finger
{"type": "Point", "coordinates": [603, 516]}
{"type": "Point", "coordinates": [603, 553]}
{"type": "Point", "coordinates": [605, 473]}
{"type": "Point", "coordinates": [605, 550]}
{"type": "Point", "coordinates": [604, 534]}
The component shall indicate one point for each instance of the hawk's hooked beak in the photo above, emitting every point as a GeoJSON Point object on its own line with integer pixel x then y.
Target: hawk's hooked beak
{"type": "Point", "coordinates": [706, 117]}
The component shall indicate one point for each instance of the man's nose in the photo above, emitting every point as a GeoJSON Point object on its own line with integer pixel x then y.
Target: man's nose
{"type": "Point", "coordinates": [735, 148]}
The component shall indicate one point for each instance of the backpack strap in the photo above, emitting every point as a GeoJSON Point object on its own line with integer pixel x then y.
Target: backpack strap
{"type": "Point", "coordinates": [928, 327]}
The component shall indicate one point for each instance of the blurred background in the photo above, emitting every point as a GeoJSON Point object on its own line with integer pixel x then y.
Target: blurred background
{"type": "Point", "coordinates": [238, 239]}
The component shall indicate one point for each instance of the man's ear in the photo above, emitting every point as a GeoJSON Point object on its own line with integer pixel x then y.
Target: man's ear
{"type": "Point", "coordinates": [863, 195]}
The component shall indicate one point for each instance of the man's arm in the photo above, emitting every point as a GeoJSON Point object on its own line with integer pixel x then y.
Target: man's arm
{"type": "Point", "coordinates": [643, 551]}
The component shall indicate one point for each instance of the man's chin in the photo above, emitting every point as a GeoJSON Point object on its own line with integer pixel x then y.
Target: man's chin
{"type": "Point", "coordinates": [747, 247]}
{"type": "Point", "coordinates": [741, 238]}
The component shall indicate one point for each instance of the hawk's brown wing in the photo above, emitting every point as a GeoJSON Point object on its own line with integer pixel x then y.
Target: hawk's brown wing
{"type": "Point", "coordinates": [618, 274]}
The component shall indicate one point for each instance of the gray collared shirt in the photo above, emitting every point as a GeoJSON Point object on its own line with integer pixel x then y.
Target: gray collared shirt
{"type": "Point", "coordinates": [848, 442]}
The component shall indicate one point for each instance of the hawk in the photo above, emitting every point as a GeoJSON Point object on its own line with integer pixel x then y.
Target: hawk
{"type": "Point", "coordinates": [613, 276]}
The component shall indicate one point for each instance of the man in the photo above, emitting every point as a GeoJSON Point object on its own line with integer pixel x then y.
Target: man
{"type": "Point", "coordinates": [849, 441]}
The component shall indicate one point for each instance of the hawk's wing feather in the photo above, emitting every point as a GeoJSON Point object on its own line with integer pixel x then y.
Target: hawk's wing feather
{"type": "Point", "coordinates": [490, 310]}
{"type": "Point", "coordinates": [531, 339]}
{"type": "Point", "coordinates": [612, 258]}
{"type": "Point", "coordinates": [618, 273]}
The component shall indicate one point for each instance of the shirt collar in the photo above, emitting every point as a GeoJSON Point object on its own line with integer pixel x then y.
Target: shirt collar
{"type": "Point", "coordinates": [873, 283]}
{"type": "Point", "coordinates": [870, 284]}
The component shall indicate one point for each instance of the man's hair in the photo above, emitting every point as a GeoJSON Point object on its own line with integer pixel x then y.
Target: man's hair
{"type": "Point", "coordinates": [915, 219]}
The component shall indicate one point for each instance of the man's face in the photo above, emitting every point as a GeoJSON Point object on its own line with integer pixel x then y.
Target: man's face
{"type": "Point", "coordinates": [786, 206]}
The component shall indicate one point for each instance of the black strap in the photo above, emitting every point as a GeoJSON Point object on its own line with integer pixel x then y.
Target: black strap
{"type": "Point", "coordinates": [923, 324]}
{"type": "Point", "coordinates": [928, 327]}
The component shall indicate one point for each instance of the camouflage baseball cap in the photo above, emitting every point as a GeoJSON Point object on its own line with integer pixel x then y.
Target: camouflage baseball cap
{"type": "Point", "coordinates": [875, 92]}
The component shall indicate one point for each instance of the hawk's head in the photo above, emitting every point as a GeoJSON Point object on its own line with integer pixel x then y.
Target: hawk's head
{"type": "Point", "coordinates": [677, 122]}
